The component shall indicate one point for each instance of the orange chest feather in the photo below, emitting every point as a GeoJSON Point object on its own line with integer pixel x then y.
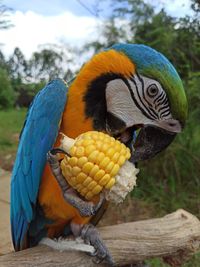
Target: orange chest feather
{"type": "Point", "coordinates": [50, 195]}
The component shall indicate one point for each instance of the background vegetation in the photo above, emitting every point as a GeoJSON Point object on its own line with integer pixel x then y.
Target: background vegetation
{"type": "Point", "coordinates": [172, 179]}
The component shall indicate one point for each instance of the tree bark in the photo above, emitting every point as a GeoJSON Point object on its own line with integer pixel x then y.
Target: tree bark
{"type": "Point", "coordinates": [174, 237]}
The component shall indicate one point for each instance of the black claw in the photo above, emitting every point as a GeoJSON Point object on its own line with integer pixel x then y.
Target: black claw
{"type": "Point", "coordinates": [90, 233]}
{"type": "Point", "coordinates": [98, 260]}
{"type": "Point", "coordinates": [57, 150]}
{"type": "Point", "coordinates": [87, 208]}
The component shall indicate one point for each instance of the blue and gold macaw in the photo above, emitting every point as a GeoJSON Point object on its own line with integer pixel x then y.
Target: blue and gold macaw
{"type": "Point", "coordinates": [119, 90]}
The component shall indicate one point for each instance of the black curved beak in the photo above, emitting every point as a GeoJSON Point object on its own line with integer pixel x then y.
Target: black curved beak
{"type": "Point", "coordinates": [150, 141]}
{"type": "Point", "coordinates": [153, 138]}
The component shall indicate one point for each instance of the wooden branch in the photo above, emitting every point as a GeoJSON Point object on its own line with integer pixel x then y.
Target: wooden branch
{"type": "Point", "coordinates": [174, 237]}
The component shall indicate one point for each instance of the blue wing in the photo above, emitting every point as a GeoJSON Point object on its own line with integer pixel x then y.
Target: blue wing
{"type": "Point", "coordinates": [37, 138]}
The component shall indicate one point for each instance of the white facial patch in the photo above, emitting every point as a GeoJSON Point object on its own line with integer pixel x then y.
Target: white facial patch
{"type": "Point", "coordinates": [137, 100]}
{"type": "Point", "coordinates": [121, 104]}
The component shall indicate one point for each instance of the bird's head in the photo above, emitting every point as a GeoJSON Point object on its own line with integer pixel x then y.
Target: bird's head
{"type": "Point", "coordinates": [129, 87]}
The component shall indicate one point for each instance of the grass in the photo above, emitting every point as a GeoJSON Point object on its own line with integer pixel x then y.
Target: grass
{"type": "Point", "coordinates": [11, 122]}
{"type": "Point", "coordinates": [193, 262]}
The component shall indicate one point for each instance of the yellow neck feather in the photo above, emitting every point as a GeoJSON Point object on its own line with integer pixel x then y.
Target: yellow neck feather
{"type": "Point", "coordinates": [74, 120]}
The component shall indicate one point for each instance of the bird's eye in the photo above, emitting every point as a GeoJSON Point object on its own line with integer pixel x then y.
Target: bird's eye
{"type": "Point", "coordinates": [152, 90]}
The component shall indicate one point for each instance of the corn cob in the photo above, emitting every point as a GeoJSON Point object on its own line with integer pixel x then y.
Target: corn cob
{"type": "Point", "coordinates": [95, 161]}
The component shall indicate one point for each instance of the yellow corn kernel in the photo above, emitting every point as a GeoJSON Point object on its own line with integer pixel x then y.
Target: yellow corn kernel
{"type": "Point", "coordinates": [67, 172]}
{"type": "Point", "coordinates": [112, 140]}
{"type": "Point", "coordinates": [99, 145]}
{"type": "Point", "coordinates": [89, 195]}
{"type": "Point", "coordinates": [87, 181]}
{"type": "Point", "coordinates": [93, 156]}
{"type": "Point", "coordinates": [100, 157]}
{"type": "Point", "coordinates": [107, 139]}
{"type": "Point", "coordinates": [65, 160]}
{"type": "Point", "coordinates": [82, 161]}
{"type": "Point", "coordinates": [104, 148]}
{"type": "Point", "coordinates": [95, 136]}
{"type": "Point", "coordinates": [110, 183]}
{"type": "Point", "coordinates": [76, 170]}
{"type": "Point", "coordinates": [121, 160]}
{"type": "Point", "coordinates": [99, 175]}
{"type": "Point", "coordinates": [87, 142]}
{"type": "Point", "coordinates": [80, 151]}
{"type": "Point", "coordinates": [115, 170]}
{"type": "Point", "coordinates": [91, 185]}
{"type": "Point", "coordinates": [79, 187]}
{"type": "Point", "coordinates": [117, 146]}
{"type": "Point", "coordinates": [110, 152]}
{"type": "Point", "coordinates": [72, 181]}
{"type": "Point", "coordinates": [89, 149]}
{"type": "Point", "coordinates": [94, 170]}
{"type": "Point", "coordinates": [67, 169]}
{"type": "Point", "coordinates": [123, 149]}
{"type": "Point", "coordinates": [81, 177]}
{"type": "Point", "coordinates": [87, 167]}
{"type": "Point", "coordinates": [104, 162]}
{"type": "Point", "coordinates": [84, 191]}
{"type": "Point", "coordinates": [86, 135]}
{"type": "Point", "coordinates": [101, 136]}
{"type": "Point", "coordinates": [104, 180]}
{"type": "Point", "coordinates": [97, 189]}
{"type": "Point", "coordinates": [115, 157]}
{"type": "Point", "coordinates": [128, 153]}
{"type": "Point", "coordinates": [109, 166]}
{"type": "Point", "coordinates": [73, 161]}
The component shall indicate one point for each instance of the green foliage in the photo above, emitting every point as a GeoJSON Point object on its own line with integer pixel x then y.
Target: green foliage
{"type": "Point", "coordinates": [11, 122]}
{"type": "Point", "coordinates": [194, 262]}
{"type": "Point", "coordinates": [45, 65]}
{"type": "Point", "coordinates": [26, 92]}
{"type": "Point", "coordinates": [7, 96]}
{"type": "Point", "coordinates": [30, 76]}
{"type": "Point", "coordinates": [17, 66]}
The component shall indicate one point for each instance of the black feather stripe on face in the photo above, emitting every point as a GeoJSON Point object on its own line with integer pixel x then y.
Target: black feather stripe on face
{"type": "Point", "coordinates": [95, 103]}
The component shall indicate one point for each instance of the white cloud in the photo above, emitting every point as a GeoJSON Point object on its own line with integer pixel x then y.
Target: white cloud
{"type": "Point", "coordinates": [32, 29]}
{"type": "Point", "coordinates": [178, 8]}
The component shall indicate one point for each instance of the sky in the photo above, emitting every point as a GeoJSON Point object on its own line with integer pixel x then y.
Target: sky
{"type": "Point", "coordinates": [38, 22]}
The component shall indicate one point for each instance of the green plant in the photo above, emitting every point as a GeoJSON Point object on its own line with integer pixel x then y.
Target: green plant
{"type": "Point", "coordinates": [7, 95]}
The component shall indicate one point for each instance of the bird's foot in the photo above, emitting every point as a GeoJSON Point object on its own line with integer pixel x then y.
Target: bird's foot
{"type": "Point", "coordinates": [85, 208]}
{"type": "Point", "coordinates": [91, 236]}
